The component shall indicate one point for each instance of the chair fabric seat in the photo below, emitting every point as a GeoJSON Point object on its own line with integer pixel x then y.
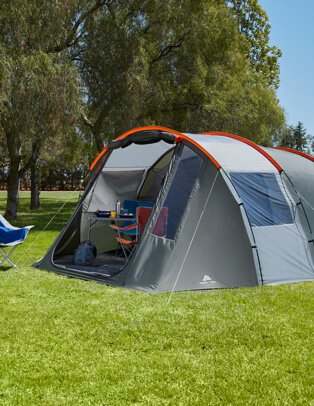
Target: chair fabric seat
{"type": "Point", "coordinates": [131, 229]}
{"type": "Point", "coordinates": [8, 236]}
{"type": "Point", "coordinates": [132, 232]}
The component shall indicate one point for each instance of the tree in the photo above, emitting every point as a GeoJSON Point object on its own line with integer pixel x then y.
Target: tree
{"type": "Point", "coordinates": [286, 139]}
{"type": "Point", "coordinates": [44, 102]}
{"type": "Point", "coordinates": [189, 65]}
{"type": "Point", "coordinates": [301, 137]}
{"type": "Point", "coordinates": [42, 98]}
{"type": "Point", "coordinates": [254, 25]}
{"type": "Point", "coordinates": [182, 64]}
{"type": "Point", "coordinates": [296, 137]}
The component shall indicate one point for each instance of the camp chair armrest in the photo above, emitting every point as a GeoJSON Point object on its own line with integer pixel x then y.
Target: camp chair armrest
{"type": "Point", "coordinates": [126, 242]}
{"type": "Point", "coordinates": [127, 228]}
{"type": "Point", "coordinates": [130, 227]}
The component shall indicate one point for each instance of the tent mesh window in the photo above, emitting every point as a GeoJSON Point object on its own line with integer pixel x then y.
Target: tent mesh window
{"type": "Point", "coordinates": [180, 190]}
{"type": "Point", "coordinates": [155, 178]}
{"type": "Point", "coordinates": [262, 198]}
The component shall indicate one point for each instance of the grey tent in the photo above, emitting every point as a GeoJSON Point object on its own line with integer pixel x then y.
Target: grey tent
{"type": "Point", "coordinates": [237, 214]}
{"type": "Point", "coordinates": [299, 168]}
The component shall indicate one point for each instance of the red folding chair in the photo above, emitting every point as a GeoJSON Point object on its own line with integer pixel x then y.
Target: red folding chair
{"type": "Point", "coordinates": [137, 229]}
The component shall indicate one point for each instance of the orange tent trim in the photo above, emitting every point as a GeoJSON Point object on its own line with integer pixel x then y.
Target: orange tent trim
{"type": "Point", "coordinates": [179, 138]}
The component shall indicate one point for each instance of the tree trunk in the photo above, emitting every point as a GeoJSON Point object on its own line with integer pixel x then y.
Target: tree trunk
{"type": "Point", "coordinates": [98, 141]}
{"type": "Point", "coordinates": [13, 183]}
{"type": "Point", "coordinates": [13, 189]}
{"type": "Point", "coordinates": [35, 178]}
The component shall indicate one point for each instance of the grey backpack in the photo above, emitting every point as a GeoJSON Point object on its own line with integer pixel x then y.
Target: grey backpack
{"type": "Point", "coordinates": [85, 254]}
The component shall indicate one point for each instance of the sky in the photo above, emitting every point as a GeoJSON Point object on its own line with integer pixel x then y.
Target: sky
{"type": "Point", "coordinates": [292, 31]}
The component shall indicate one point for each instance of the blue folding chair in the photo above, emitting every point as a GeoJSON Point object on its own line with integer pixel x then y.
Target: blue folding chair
{"type": "Point", "coordinates": [10, 238]}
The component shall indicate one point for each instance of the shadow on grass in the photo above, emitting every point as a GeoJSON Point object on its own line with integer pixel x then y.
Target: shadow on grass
{"type": "Point", "coordinates": [6, 268]}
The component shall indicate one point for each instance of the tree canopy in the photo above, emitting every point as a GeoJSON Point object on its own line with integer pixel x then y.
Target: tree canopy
{"type": "Point", "coordinates": [183, 64]}
{"type": "Point", "coordinates": [297, 137]}
{"type": "Point", "coordinates": [82, 71]}
{"type": "Point", "coordinates": [41, 98]}
{"type": "Point", "coordinates": [254, 26]}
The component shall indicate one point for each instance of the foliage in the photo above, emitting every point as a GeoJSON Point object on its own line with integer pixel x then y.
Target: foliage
{"type": "Point", "coordinates": [254, 25]}
{"type": "Point", "coordinates": [296, 137]}
{"type": "Point", "coordinates": [43, 98]}
{"type": "Point", "coordinates": [70, 342]}
{"type": "Point", "coordinates": [4, 79]}
{"type": "Point", "coordinates": [81, 70]}
{"type": "Point", "coordinates": [66, 177]}
{"type": "Point", "coordinates": [145, 62]}
{"type": "Point", "coordinates": [183, 65]}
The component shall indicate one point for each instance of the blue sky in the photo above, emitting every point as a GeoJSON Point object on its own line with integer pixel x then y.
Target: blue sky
{"type": "Point", "coordinates": [293, 32]}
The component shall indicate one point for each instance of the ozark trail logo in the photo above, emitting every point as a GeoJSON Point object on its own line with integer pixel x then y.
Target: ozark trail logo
{"type": "Point", "coordinates": [207, 279]}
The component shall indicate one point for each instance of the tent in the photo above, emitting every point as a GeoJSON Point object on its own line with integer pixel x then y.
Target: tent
{"type": "Point", "coordinates": [237, 214]}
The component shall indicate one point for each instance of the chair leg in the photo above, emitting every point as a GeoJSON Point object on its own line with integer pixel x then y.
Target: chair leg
{"type": "Point", "coordinates": [126, 250]}
{"type": "Point", "coordinates": [6, 256]}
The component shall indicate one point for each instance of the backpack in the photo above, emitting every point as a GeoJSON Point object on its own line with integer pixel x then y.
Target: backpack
{"type": "Point", "coordinates": [85, 254]}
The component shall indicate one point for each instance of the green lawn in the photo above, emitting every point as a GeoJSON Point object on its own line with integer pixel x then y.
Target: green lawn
{"type": "Point", "coordinates": [70, 342]}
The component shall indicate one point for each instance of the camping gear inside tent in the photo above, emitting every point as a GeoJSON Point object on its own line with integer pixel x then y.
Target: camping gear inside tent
{"type": "Point", "coordinates": [223, 212]}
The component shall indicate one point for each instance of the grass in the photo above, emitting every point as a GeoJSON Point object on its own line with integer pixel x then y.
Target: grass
{"type": "Point", "coordinates": [70, 342]}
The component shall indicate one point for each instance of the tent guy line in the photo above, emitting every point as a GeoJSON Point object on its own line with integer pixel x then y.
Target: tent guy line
{"type": "Point", "coordinates": [48, 223]}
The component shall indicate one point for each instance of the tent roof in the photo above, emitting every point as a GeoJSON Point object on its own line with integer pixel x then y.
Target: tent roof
{"type": "Point", "coordinates": [234, 154]}
{"type": "Point", "coordinates": [137, 156]}
{"type": "Point", "coordinates": [292, 159]}
{"type": "Point", "coordinates": [294, 151]}
{"type": "Point", "coordinates": [150, 129]}
{"type": "Point", "coordinates": [229, 151]}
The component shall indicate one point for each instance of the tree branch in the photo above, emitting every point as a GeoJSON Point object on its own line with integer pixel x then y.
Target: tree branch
{"type": "Point", "coordinates": [95, 131]}
{"type": "Point", "coordinates": [72, 37]}
{"type": "Point", "coordinates": [88, 123]}
{"type": "Point", "coordinates": [168, 49]}
{"type": "Point", "coordinates": [175, 107]}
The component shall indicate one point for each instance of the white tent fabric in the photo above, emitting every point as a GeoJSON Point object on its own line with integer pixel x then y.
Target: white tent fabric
{"type": "Point", "coordinates": [232, 154]}
{"type": "Point", "coordinates": [137, 156]}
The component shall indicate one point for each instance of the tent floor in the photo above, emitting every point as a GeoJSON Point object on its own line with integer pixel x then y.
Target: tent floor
{"type": "Point", "coordinates": [105, 264]}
